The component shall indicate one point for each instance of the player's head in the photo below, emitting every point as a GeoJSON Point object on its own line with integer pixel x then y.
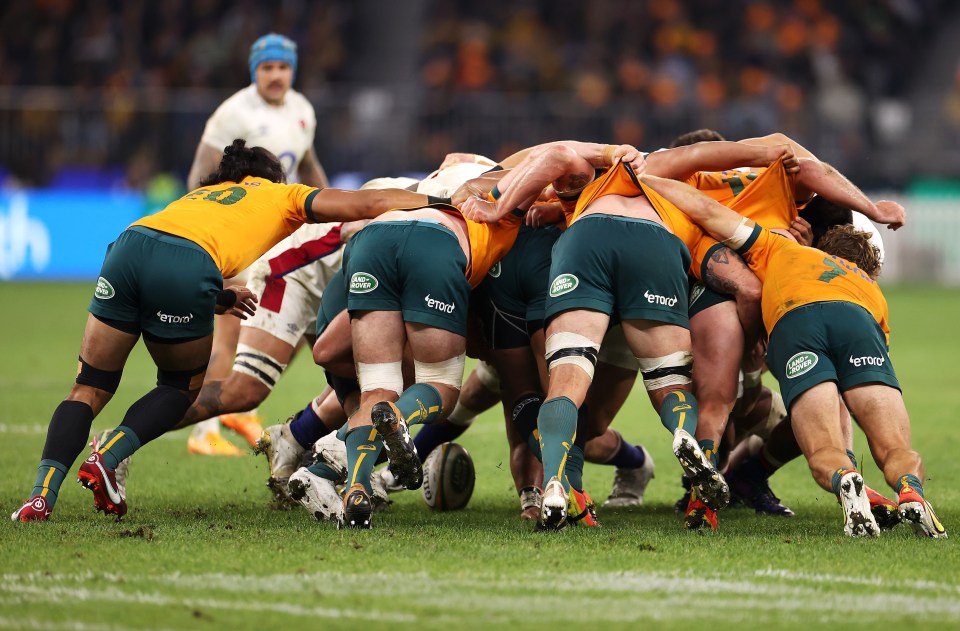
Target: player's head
{"type": "Point", "coordinates": [823, 215]}
{"type": "Point", "coordinates": [853, 245]}
{"type": "Point", "coordinates": [240, 161]}
{"type": "Point", "coordinates": [273, 65]}
{"type": "Point", "coordinates": [693, 137]}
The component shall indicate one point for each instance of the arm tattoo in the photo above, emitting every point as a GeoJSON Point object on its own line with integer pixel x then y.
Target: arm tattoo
{"type": "Point", "coordinates": [721, 279]}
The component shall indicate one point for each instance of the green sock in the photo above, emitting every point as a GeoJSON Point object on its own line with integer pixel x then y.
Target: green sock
{"type": "Point", "coordinates": [574, 468]}
{"type": "Point", "coordinates": [420, 403]}
{"type": "Point", "coordinates": [50, 476]}
{"type": "Point", "coordinates": [909, 482]}
{"type": "Point", "coordinates": [119, 444]}
{"type": "Point", "coordinates": [363, 447]}
{"type": "Point", "coordinates": [557, 424]}
{"type": "Point", "coordinates": [323, 470]}
{"type": "Point", "coordinates": [709, 449]}
{"type": "Point", "coordinates": [679, 411]}
{"type": "Point", "coordinates": [853, 458]}
{"type": "Point", "coordinates": [835, 480]}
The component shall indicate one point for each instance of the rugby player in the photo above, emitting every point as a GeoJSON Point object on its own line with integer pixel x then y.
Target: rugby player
{"type": "Point", "coordinates": [271, 114]}
{"type": "Point", "coordinates": [163, 279]}
{"type": "Point", "coordinates": [584, 293]}
{"type": "Point", "coordinates": [828, 330]}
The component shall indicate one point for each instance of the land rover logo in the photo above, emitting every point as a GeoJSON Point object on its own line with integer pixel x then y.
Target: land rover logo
{"type": "Point", "coordinates": [801, 364]}
{"type": "Point", "coordinates": [104, 290]}
{"type": "Point", "coordinates": [362, 282]}
{"type": "Point", "coordinates": [495, 270]}
{"type": "Point", "coordinates": [562, 284]}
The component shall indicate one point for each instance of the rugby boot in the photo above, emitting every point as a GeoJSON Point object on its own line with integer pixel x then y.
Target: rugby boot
{"type": "Point", "coordinates": [123, 467]}
{"type": "Point", "coordinates": [553, 506]}
{"type": "Point", "coordinates": [752, 487]}
{"type": "Point", "coordinates": [858, 520]}
{"type": "Point", "coordinates": [357, 510]}
{"type": "Point", "coordinates": [208, 443]}
{"type": "Point", "coordinates": [283, 454]}
{"type": "Point", "coordinates": [711, 488]}
{"type": "Point", "coordinates": [316, 494]}
{"type": "Point", "coordinates": [629, 485]}
{"type": "Point", "coordinates": [95, 476]}
{"type": "Point", "coordinates": [530, 503]}
{"type": "Point", "coordinates": [34, 509]}
{"type": "Point", "coordinates": [917, 512]}
{"type": "Point", "coordinates": [885, 511]}
{"type": "Point", "coordinates": [699, 514]}
{"type": "Point", "coordinates": [247, 424]}
{"type": "Point", "coordinates": [401, 452]}
{"type": "Point", "coordinates": [581, 510]}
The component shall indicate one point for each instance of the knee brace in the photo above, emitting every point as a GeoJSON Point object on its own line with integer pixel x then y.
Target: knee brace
{"type": "Point", "coordinates": [185, 380]}
{"type": "Point", "coordinates": [107, 380]}
{"type": "Point", "coordinates": [385, 376]}
{"type": "Point", "coordinates": [572, 348]}
{"type": "Point", "coordinates": [674, 369]}
{"type": "Point", "coordinates": [342, 386]}
{"type": "Point", "coordinates": [488, 376]}
{"type": "Point", "coordinates": [259, 365]}
{"type": "Point", "coordinates": [448, 372]}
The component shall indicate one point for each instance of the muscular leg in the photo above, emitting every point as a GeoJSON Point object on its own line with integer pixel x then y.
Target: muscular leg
{"type": "Point", "coordinates": [569, 382]}
{"type": "Point", "coordinates": [105, 349]}
{"type": "Point", "coordinates": [240, 391]}
{"type": "Point", "coordinates": [881, 414]}
{"type": "Point", "coordinates": [717, 340]}
{"type": "Point", "coordinates": [815, 416]}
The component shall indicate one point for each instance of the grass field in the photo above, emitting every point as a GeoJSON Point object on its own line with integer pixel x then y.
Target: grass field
{"type": "Point", "coordinates": [202, 548]}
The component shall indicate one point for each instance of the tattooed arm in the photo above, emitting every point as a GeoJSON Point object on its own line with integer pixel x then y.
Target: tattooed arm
{"type": "Point", "coordinates": [726, 273]}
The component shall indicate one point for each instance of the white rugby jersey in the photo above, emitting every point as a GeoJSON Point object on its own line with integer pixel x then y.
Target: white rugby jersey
{"type": "Point", "coordinates": [286, 130]}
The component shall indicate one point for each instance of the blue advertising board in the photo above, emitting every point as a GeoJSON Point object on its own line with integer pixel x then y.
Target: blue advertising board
{"type": "Point", "coordinates": [58, 235]}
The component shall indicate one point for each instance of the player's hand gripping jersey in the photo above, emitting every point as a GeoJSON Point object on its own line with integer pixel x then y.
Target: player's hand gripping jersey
{"type": "Point", "coordinates": [236, 222]}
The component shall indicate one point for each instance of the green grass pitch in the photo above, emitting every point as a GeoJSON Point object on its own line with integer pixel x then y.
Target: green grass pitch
{"type": "Point", "coordinates": [201, 547]}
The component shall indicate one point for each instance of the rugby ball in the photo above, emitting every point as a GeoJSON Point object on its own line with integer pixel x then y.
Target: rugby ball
{"type": "Point", "coordinates": [448, 477]}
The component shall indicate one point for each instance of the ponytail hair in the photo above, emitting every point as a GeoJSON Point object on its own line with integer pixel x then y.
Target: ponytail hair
{"type": "Point", "coordinates": [240, 161]}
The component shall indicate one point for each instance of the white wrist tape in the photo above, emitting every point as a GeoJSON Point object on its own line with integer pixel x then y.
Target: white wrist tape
{"type": "Point", "coordinates": [740, 235]}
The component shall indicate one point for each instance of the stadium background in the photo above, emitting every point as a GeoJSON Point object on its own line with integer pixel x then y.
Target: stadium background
{"type": "Point", "coordinates": [102, 102]}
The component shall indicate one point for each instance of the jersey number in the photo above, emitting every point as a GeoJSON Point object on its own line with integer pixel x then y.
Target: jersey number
{"type": "Point", "coordinates": [226, 197]}
{"type": "Point", "coordinates": [831, 273]}
{"type": "Point", "coordinates": [736, 184]}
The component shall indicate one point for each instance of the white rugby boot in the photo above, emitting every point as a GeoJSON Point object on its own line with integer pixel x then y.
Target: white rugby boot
{"type": "Point", "coordinates": [553, 506]}
{"type": "Point", "coordinates": [629, 485]}
{"type": "Point", "coordinates": [283, 453]}
{"type": "Point", "coordinates": [711, 488]}
{"type": "Point", "coordinates": [316, 494]}
{"type": "Point", "coordinates": [858, 519]}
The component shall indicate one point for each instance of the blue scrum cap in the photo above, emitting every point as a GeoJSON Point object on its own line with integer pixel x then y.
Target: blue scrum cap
{"type": "Point", "coordinates": [272, 47]}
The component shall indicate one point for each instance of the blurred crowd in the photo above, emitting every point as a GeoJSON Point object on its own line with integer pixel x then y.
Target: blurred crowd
{"type": "Point", "coordinates": [492, 76]}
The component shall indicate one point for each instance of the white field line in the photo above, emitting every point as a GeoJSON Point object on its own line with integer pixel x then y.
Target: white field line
{"type": "Point", "coordinates": [34, 623]}
{"type": "Point", "coordinates": [611, 596]}
{"type": "Point", "coordinates": [58, 595]}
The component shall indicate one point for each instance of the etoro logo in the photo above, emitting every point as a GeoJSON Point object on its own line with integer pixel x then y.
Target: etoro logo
{"type": "Point", "coordinates": [362, 282]}
{"type": "Point", "coordinates": [495, 270]}
{"type": "Point", "coordinates": [801, 363]}
{"type": "Point", "coordinates": [104, 290]}
{"type": "Point", "coordinates": [867, 360]}
{"type": "Point", "coordinates": [169, 318]}
{"type": "Point", "coordinates": [439, 305]}
{"type": "Point", "coordinates": [657, 299]}
{"type": "Point", "coordinates": [563, 284]}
